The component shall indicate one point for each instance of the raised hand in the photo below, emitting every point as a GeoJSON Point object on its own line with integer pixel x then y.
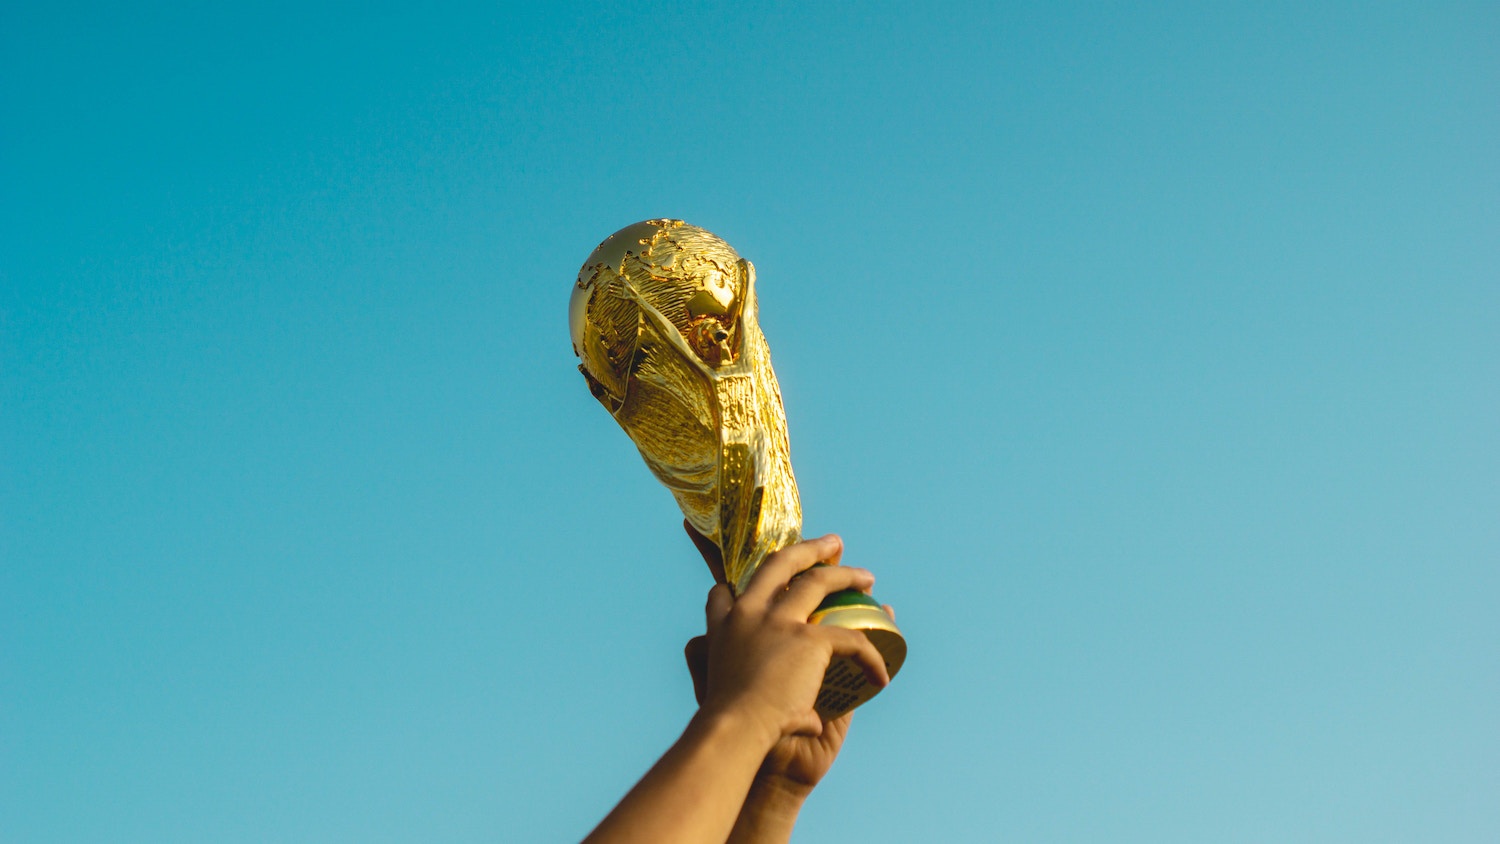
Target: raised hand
{"type": "Point", "coordinates": [764, 659]}
{"type": "Point", "coordinates": [764, 666]}
{"type": "Point", "coordinates": [798, 761]}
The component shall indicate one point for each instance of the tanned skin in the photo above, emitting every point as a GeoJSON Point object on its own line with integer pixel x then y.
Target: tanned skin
{"type": "Point", "coordinates": [755, 748]}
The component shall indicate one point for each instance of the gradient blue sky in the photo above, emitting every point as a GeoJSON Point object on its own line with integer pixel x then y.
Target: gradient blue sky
{"type": "Point", "coordinates": [1148, 355]}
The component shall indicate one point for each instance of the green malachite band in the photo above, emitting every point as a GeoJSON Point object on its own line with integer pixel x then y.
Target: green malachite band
{"type": "Point", "coordinates": [847, 598]}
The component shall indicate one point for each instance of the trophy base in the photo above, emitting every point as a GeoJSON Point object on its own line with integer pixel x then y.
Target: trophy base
{"type": "Point", "coordinates": [845, 686]}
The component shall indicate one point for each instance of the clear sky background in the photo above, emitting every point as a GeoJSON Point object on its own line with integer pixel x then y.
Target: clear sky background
{"type": "Point", "coordinates": [1148, 355]}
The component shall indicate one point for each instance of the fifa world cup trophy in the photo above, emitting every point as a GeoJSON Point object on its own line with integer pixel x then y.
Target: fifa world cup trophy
{"type": "Point", "coordinates": [664, 319]}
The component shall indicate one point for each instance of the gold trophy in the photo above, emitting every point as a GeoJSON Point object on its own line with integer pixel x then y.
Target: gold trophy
{"type": "Point", "coordinates": [664, 318]}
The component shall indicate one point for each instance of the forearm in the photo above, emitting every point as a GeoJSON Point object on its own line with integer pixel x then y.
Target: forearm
{"type": "Point", "coordinates": [769, 813]}
{"type": "Point", "coordinates": [694, 793]}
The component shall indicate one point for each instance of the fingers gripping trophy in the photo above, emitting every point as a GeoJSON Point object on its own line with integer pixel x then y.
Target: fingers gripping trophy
{"type": "Point", "coordinates": [664, 319]}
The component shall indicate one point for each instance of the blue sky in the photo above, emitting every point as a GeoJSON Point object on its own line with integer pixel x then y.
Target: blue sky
{"type": "Point", "coordinates": [1147, 355]}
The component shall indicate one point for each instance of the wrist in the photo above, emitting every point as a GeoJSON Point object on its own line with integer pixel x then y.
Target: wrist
{"type": "Point", "coordinates": [737, 723]}
{"type": "Point", "coordinates": [769, 813]}
{"type": "Point", "coordinates": [777, 792]}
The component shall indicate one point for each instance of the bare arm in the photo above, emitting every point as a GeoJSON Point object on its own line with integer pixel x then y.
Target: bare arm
{"type": "Point", "coordinates": [765, 665]}
{"type": "Point", "coordinates": [695, 791]}
{"type": "Point", "coordinates": [794, 766]}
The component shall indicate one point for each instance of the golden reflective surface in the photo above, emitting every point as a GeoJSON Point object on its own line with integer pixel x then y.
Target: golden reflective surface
{"type": "Point", "coordinates": [664, 320]}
